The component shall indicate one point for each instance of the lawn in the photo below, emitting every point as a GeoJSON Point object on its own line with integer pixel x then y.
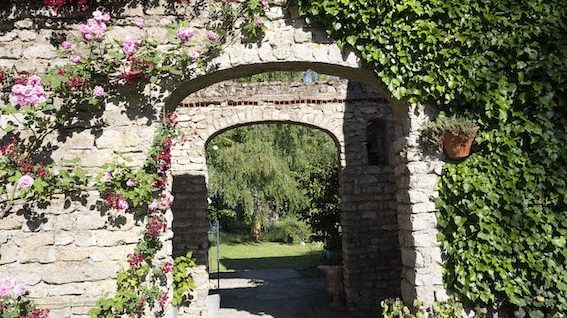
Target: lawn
{"type": "Point", "coordinates": [236, 256]}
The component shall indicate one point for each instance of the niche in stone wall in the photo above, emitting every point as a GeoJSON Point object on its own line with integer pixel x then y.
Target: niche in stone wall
{"type": "Point", "coordinates": [376, 145]}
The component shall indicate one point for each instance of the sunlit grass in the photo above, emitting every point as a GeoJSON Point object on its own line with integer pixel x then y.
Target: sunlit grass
{"type": "Point", "coordinates": [237, 256]}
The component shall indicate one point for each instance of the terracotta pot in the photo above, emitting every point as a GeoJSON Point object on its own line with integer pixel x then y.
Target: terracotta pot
{"type": "Point", "coordinates": [458, 146]}
{"type": "Point", "coordinates": [334, 280]}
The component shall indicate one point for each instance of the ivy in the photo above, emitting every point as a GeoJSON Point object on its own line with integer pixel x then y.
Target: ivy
{"type": "Point", "coordinates": [502, 213]}
{"type": "Point", "coordinates": [183, 283]}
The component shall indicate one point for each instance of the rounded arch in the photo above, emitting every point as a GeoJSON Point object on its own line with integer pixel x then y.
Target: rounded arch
{"type": "Point", "coordinates": [209, 125]}
{"type": "Point", "coordinates": [332, 135]}
{"type": "Point", "coordinates": [352, 72]}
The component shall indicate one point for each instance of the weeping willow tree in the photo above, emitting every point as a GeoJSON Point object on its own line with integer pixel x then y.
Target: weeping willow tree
{"type": "Point", "coordinates": [260, 170]}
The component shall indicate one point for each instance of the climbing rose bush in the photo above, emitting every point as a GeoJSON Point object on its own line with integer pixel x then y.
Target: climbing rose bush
{"type": "Point", "coordinates": [97, 59]}
{"type": "Point", "coordinates": [14, 302]}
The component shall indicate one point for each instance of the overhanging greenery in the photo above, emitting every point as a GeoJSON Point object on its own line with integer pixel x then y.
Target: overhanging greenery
{"type": "Point", "coordinates": [502, 213]}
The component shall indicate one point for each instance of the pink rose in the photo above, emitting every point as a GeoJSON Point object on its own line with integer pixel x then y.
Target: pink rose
{"type": "Point", "coordinates": [195, 55]}
{"type": "Point", "coordinates": [107, 176]}
{"type": "Point", "coordinates": [99, 16]}
{"type": "Point", "coordinates": [167, 267]}
{"type": "Point", "coordinates": [95, 28]}
{"type": "Point", "coordinates": [153, 206]}
{"type": "Point", "coordinates": [75, 59]}
{"type": "Point", "coordinates": [184, 34]}
{"type": "Point", "coordinates": [18, 89]}
{"type": "Point", "coordinates": [162, 300]}
{"type": "Point", "coordinates": [130, 46]}
{"type": "Point", "coordinates": [25, 182]}
{"type": "Point", "coordinates": [212, 36]}
{"type": "Point", "coordinates": [122, 205]}
{"type": "Point", "coordinates": [139, 22]}
{"type": "Point", "coordinates": [66, 45]}
{"type": "Point", "coordinates": [34, 80]}
{"type": "Point", "coordinates": [8, 283]}
{"type": "Point", "coordinates": [98, 91]}
{"type": "Point", "coordinates": [20, 290]}
{"type": "Point", "coordinates": [165, 202]}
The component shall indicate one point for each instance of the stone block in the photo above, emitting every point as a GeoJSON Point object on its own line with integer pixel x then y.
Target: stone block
{"type": "Point", "coordinates": [8, 253]}
{"type": "Point", "coordinates": [423, 181]}
{"type": "Point", "coordinates": [11, 222]}
{"type": "Point", "coordinates": [89, 221]}
{"type": "Point", "coordinates": [40, 51]}
{"type": "Point", "coordinates": [115, 238]}
{"type": "Point", "coordinates": [417, 222]}
{"type": "Point", "coordinates": [63, 238]}
{"type": "Point", "coordinates": [86, 238]}
{"type": "Point", "coordinates": [74, 272]}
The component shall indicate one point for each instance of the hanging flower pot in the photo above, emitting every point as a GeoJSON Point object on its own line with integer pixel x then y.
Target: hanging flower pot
{"type": "Point", "coordinates": [454, 135]}
{"type": "Point", "coordinates": [458, 146]}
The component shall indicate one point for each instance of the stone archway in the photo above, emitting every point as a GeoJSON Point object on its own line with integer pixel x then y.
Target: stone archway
{"type": "Point", "coordinates": [369, 192]}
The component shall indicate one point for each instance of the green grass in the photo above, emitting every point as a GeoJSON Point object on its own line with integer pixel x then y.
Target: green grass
{"type": "Point", "coordinates": [238, 256]}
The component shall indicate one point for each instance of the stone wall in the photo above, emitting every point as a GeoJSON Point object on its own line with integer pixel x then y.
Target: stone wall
{"type": "Point", "coordinates": [69, 254]}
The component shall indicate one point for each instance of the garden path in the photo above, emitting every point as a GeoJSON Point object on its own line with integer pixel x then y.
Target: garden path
{"type": "Point", "coordinates": [274, 293]}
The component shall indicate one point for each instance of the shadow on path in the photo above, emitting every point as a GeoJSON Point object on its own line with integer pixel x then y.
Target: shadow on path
{"type": "Point", "coordinates": [274, 293]}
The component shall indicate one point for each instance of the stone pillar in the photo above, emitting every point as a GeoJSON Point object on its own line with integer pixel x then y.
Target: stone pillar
{"type": "Point", "coordinates": [416, 175]}
{"type": "Point", "coordinates": [370, 244]}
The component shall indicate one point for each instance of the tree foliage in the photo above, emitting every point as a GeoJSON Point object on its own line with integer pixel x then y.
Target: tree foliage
{"type": "Point", "coordinates": [503, 212]}
{"type": "Point", "coordinates": [257, 170]}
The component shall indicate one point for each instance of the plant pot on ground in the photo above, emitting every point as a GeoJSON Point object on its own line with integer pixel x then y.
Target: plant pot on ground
{"type": "Point", "coordinates": [333, 270]}
{"type": "Point", "coordinates": [454, 134]}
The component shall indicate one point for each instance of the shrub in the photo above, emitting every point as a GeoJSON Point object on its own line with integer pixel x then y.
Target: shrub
{"type": "Point", "coordinates": [289, 229]}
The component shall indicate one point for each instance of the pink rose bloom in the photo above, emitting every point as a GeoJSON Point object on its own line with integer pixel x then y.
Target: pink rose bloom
{"type": "Point", "coordinates": [184, 34]}
{"type": "Point", "coordinates": [66, 45]}
{"type": "Point", "coordinates": [162, 300]}
{"type": "Point", "coordinates": [107, 176]}
{"type": "Point", "coordinates": [167, 267]}
{"type": "Point", "coordinates": [20, 290]}
{"type": "Point", "coordinates": [98, 91]}
{"type": "Point", "coordinates": [122, 205]}
{"type": "Point", "coordinates": [139, 22]}
{"type": "Point", "coordinates": [212, 36]}
{"type": "Point", "coordinates": [34, 80]}
{"type": "Point", "coordinates": [75, 59]}
{"type": "Point", "coordinates": [153, 206]}
{"type": "Point", "coordinates": [18, 89]}
{"type": "Point", "coordinates": [130, 46]}
{"type": "Point", "coordinates": [25, 182]}
{"type": "Point", "coordinates": [165, 202]}
{"type": "Point", "coordinates": [8, 283]}
{"type": "Point", "coordinates": [195, 55]}
{"type": "Point", "coordinates": [85, 32]}
{"type": "Point", "coordinates": [99, 16]}
{"type": "Point", "coordinates": [95, 28]}
{"type": "Point", "coordinates": [131, 183]}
